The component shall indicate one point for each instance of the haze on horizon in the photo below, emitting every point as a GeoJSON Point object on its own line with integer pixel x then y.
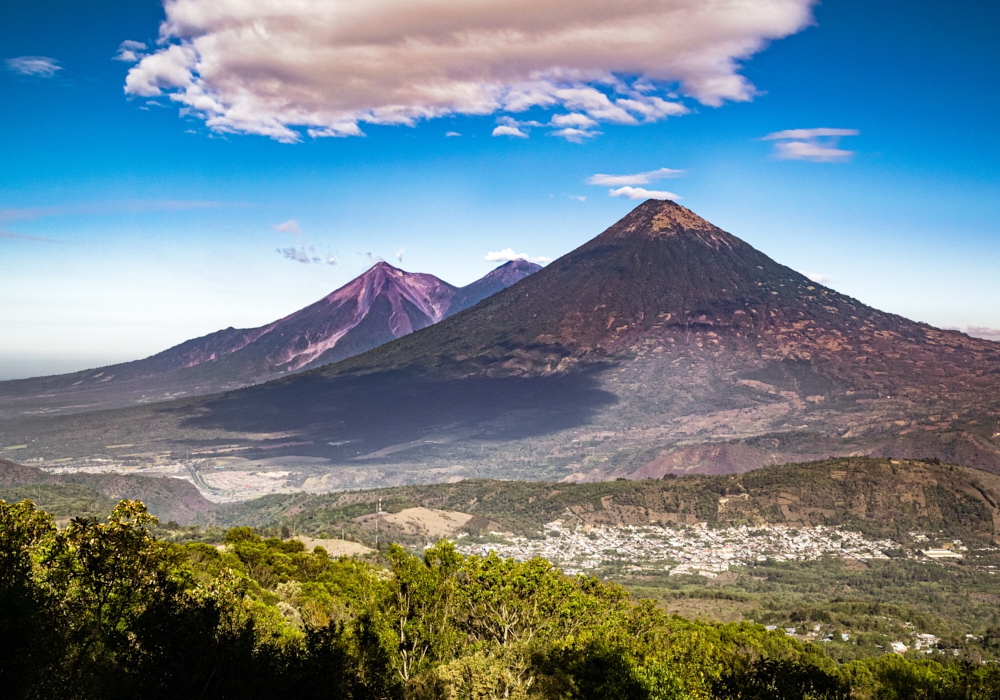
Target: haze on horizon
{"type": "Point", "coordinates": [166, 177]}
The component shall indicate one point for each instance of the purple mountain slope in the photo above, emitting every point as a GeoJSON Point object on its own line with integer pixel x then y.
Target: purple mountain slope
{"type": "Point", "coordinates": [380, 305]}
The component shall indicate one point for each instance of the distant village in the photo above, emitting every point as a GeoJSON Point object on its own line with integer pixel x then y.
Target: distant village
{"type": "Point", "coordinates": [709, 552]}
{"type": "Point", "coordinates": [696, 549]}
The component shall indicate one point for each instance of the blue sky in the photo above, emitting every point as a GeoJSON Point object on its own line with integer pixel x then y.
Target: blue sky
{"type": "Point", "coordinates": [127, 226]}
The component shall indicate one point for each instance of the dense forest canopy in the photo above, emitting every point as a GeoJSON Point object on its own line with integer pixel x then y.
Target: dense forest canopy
{"type": "Point", "coordinates": [102, 609]}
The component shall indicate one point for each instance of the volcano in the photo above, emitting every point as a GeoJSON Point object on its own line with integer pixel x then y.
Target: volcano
{"type": "Point", "coordinates": [376, 307]}
{"type": "Point", "coordinates": [663, 345]}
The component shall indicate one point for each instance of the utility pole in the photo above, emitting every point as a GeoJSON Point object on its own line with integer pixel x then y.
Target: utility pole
{"type": "Point", "coordinates": [378, 511]}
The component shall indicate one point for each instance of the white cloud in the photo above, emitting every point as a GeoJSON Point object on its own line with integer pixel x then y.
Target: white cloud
{"type": "Point", "coordinates": [983, 332]}
{"type": "Point", "coordinates": [807, 134]}
{"type": "Point", "coordinates": [818, 277]}
{"type": "Point", "coordinates": [130, 51]}
{"type": "Point", "coordinates": [35, 66]}
{"type": "Point", "coordinates": [578, 120]}
{"type": "Point", "coordinates": [804, 150]}
{"type": "Point", "coordinates": [636, 179]}
{"type": "Point", "coordinates": [504, 130]}
{"type": "Point", "coordinates": [274, 67]}
{"type": "Point", "coordinates": [331, 260]}
{"type": "Point", "coordinates": [290, 226]}
{"type": "Point", "coordinates": [578, 197]}
{"type": "Point", "coordinates": [508, 254]}
{"type": "Point", "coordinates": [816, 145]}
{"type": "Point", "coordinates": [574, 135]}
{"type": "Point", "coordinates": [574, 127]}
{"type": "Point", "coordinates": [399, 254]}
{"type": "Point", "coordinates": [451, 134]}
{"type": "Point", "coordinates": [642, 193]}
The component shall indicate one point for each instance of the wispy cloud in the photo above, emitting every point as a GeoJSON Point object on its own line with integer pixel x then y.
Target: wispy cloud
{"type": "Point", "coordinates": [131, 206]}
{"type": "Point", "coordinates": [97, 209]}
{"type": "Point", "coordinates": [302, 255]}
{"type": "Point", "coordinates": [634, 179]}
{"type": "Point", "coordinates": [306, 255]}
{"type": "Point", "coordinates": [642, 193]}
{"type": "Point", "coordinates": [399, 254]}
{"type": "Point", "coordinates": [451, 134]}
{"type": "Point", "coordinates": [290, 226]}
{"type": "Point", "coordinates": [575, 135]}
{"type": "Point", "coordinates": [816, 145]}
{"type": "Point", "coordinates": [34, 66]}
{"type": "Point", "coordinates": [818, 277]}
{"type": "Point", "coordinates": [24, 236]}
{"type": "Point", "coordinates": [278, 69]}
{"type": "Point", "coordinates": [130, 51]}
{"type": "Point", "coordinates": [508, 254]}
{"type": "Point", "coordinates": [305, 252]}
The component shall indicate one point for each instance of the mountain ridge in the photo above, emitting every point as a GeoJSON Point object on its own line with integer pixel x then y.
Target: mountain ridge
{"type": "Point", "coordinates": [380, 305]}
{"type": "Point", "coordinates": [662, 345]}
{"type": "Point", "coordinates": [170, 499]}
{"type": "Point", "coordinates": [774, 354]}
{"type": "Point", "coordinates": [647, 286]}
{"type": "Point", "coordinates": [887, 497]}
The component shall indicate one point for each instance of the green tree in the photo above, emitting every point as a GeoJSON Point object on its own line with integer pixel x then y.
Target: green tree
{"type": "Point", "coordinates": [104, 575]}
{"type": "Point", "coordinates": [606, 667]}
{"type": "Point", "coordinates": [31, 639]}
{"type": "Point", "coordinates": [421, 606]}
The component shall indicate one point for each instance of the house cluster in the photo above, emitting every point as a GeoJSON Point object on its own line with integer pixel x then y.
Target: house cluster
{"type": "Point", "coordinates": [695, 549]}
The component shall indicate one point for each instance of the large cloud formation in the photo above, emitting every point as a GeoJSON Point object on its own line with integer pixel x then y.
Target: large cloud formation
{"type": "Point", "coordinates": [275, 67]}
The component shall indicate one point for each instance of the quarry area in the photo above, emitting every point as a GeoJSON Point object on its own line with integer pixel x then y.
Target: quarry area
{"type": "Point", "coordinates": [220, 480]}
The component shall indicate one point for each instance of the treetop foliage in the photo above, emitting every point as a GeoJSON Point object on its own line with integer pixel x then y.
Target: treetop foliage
{"type": "Point", "coordinates": [102, 609]}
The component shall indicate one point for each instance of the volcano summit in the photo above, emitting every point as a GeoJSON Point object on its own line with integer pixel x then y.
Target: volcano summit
{"type": "Point", "coordinates": [663, 345]}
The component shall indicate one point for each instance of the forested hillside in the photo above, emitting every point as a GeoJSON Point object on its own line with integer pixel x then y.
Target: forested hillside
{"type": "Point", "coordinates": [89, 494]}
{"type": "Point", "coordinates": [879, 496]}
{"type": "Point", "coordinates": [104, 609]}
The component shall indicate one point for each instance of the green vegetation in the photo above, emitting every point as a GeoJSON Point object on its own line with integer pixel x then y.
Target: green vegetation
{"type": "Point", "coordinates": [107, 609]}
{"type": "Point", "coordinates": [61, 500]}
{"type": "Point", "coordinates": [89, 494]}
{"type": "Point", "coordinates": [879, 497]}
{"type": "Point", "coordinates": [873, 601]}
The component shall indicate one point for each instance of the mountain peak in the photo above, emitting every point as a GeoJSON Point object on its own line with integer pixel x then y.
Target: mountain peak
{"type": "Point", "coordinates": [656, 218]}
{"type": "Point", "coordinates": [488, 285]}
{"type": "Point", "coordinates": [382, 269]}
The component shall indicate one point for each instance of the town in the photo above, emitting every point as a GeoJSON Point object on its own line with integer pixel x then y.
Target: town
{"type": "Point", "coordinates": [697, 549]}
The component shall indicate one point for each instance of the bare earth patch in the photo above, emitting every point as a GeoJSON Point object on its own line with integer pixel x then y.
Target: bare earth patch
{"type": "Point", "coordinates": [433, 523]}
{"type": "Point", "coordinates": [335, 548]}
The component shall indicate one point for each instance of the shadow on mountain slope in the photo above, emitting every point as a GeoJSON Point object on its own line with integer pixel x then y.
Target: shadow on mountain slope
{"type": "Point", "coordinates": [348, 416]}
